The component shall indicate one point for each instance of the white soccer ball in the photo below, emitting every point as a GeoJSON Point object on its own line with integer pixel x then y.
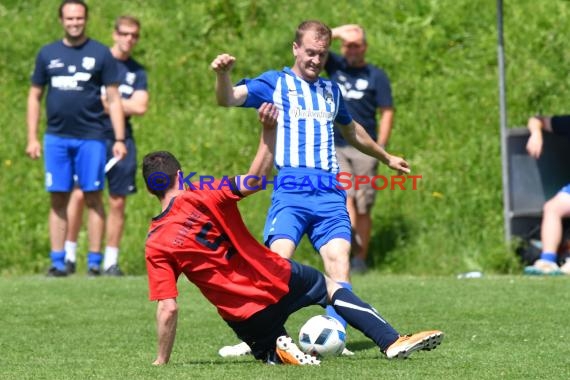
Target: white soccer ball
{"type": "Point", "coordinates": [322, 336]}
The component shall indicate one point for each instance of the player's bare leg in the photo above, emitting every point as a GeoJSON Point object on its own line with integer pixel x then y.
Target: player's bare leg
{"type": "Point", "coordinates": [74, 222]}
{"type": "Point", "coordinates": [95, 229]}
{"type": "Point", "coordinates": [114, 232]}
{"type": "Point", "coordinates": [57, 221]}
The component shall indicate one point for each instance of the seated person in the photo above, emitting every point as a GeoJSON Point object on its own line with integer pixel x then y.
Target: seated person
{"type": "Point", "coordinates": [556, 208]}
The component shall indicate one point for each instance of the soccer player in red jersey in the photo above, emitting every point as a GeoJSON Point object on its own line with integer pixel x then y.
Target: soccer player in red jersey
{"type": "Point", "coordinates": [200, 233]}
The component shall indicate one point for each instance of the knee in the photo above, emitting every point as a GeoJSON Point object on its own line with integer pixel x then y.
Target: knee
{"type": "Point", "coordinates": [93, 199]}
{"type": "Point", "coordinates": [117, 204]}
{"type": "Point", "coordinates": [59, 201]}
{"type": "Point", "coordinates": [552, 207]}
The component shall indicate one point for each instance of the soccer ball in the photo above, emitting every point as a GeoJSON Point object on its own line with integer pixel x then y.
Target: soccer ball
{"type": "Point", "coordinates": [322, 336]}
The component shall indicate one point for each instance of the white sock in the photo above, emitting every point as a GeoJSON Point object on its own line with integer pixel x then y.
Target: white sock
{"type": "Point", "coordinates": [70, 250]}
{"type": "Point", "coordinates": [111, 257]}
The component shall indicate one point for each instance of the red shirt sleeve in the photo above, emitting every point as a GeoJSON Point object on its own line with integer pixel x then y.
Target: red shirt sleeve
{"type": "Point", "coordinates": [162, 276]}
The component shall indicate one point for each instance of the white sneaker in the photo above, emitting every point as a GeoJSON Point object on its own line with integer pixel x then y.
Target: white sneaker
{"type": "Point", "coordinates": [240, 349]}
{"type": "Point", "coordinates": [565, 268]}
{"type": "Point", "coordinates": [347, 352]}
{"type": "Point", "coordinates": [289, 353]}
{"type": "Point", "coordinates": [543, 268]}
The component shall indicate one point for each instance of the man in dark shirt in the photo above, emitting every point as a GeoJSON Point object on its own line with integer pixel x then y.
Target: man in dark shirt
{"type": "Point", "coordinates": [74, 69]}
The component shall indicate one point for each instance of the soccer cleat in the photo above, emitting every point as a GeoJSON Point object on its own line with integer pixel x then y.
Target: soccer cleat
{"type": "Point", "coordinates": [543, 268]}
{"type": "Point", "coordinates": [113, 270]}
{"type": "Point", "coordinates": [240, 349]}
{"type": "Point", "coordinates": [70, 267]}
{"type": "Point", "coordinates": [54, 272]}
{"type": "Point", "coordinates": [94, 272]}
{"type": "Point", "coordinates": [347, 352]}
{"type": "Point", "coordinates": [407, 344]}
{"type": "Point", "coordinates": [288, 353]}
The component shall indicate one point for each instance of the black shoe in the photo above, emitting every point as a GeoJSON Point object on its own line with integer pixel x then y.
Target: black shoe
{"type": "Point", "coordinates": [70, 267]}
{"type": "Point", "coordinates": [94, 272]}
{"type": "Point", "coordinates": [113, 270]}
{"type": "Point", "coordinates": [54, 272]}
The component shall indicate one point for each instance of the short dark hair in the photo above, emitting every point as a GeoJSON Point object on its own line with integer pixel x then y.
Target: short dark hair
{"type": "Point", "coordinates": [323, 32]}
{"type": "Point", "coordinates": [79, 2]}
{"type": "Point", "coordinates": [127, 19]}
{"type": "Point", "coordinates": [160, 172]}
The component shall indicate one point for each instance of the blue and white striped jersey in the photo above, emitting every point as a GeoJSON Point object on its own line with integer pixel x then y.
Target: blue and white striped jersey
{"type": "Point", "coordinates": [307, 112]}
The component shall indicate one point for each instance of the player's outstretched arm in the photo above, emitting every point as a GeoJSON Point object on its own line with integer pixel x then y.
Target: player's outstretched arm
{"type": "Point", "coordinates": [356, 135]}
{"type": "Point", "coordinates": [226, 94]}
{"type": "Point", "coordinates": [166, 319]}
{"type": "Point", "coordinates": [263, 162]}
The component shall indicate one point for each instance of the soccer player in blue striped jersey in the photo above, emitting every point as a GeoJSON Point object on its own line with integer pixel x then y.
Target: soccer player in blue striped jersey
{"type": "Point", "coordinates": [305, 196]}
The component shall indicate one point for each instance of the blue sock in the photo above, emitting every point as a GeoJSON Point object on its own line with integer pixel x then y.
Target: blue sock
{"type": "Point", "coordinates": [548, 256]}
{"type": "Point", "coordinates": [365, 318]}
{"type": "Point", "coordinates": [94, 260]}
{"type": "Point", "coordinates": [58, 259]}
{"type": "Point", "coordinates": [331, 312]}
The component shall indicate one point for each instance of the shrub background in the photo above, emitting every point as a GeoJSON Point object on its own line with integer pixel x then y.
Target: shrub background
{"type": "Point", "coordinates": [440, 55]}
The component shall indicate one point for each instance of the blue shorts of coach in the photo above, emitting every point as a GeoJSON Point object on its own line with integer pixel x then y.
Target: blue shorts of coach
{"type": "Point", "coordinates": [66, 157]}
{"type": "Point", "coordinates": [122, 176]}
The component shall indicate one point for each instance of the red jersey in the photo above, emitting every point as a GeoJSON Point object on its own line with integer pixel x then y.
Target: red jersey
{"type": "Point", "coordinates": [202, 235]}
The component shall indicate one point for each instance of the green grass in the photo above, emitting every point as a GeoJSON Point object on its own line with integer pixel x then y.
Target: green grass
{"type": "Point", "coordinates": [504, 327]}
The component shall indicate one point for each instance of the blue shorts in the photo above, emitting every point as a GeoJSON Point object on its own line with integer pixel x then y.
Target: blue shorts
{"type": "Point", "coordinates": [69, 157]}
{"type": "Point", "coordinates": [122, 176]}
{"type": "Point", "coordinates": [307, 286]}
{"type": "Point", "coordinates": [307, 201]}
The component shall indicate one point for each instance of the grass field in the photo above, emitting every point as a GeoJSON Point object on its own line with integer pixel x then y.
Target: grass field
{"type": "Point", "coordinates": [498, 327]}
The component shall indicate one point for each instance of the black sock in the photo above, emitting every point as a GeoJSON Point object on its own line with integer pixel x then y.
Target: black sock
{"type": "Point", "coordinates": [364, 317]}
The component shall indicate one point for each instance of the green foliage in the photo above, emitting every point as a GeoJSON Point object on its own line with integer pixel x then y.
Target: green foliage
{"type": "Point", "coordinates": [79, 328]}
{"type": "Point", "coordinates": [441, 56]}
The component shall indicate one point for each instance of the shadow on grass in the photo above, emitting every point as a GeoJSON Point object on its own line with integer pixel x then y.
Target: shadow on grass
{"type": "Point", "coordinates": [360, 345]}
{"type": "Point", "coordinates": [385, 237]}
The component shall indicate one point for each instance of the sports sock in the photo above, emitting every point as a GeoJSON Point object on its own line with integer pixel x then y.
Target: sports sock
{"type": "Point", "coordinates": [364, 317]}
{"type": "Point", "coordinates": [94, 260]}
{"type": "Point", "coordinates": [548, 256]}
{"type": "Point", "coordinates": [70, 251]}
{"type": "Point", "coordinates": [331, 311]}
{"type": "Point", "coordinates": [58, 259]}
{"type": "Point", "coordinates": [111, 256]}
